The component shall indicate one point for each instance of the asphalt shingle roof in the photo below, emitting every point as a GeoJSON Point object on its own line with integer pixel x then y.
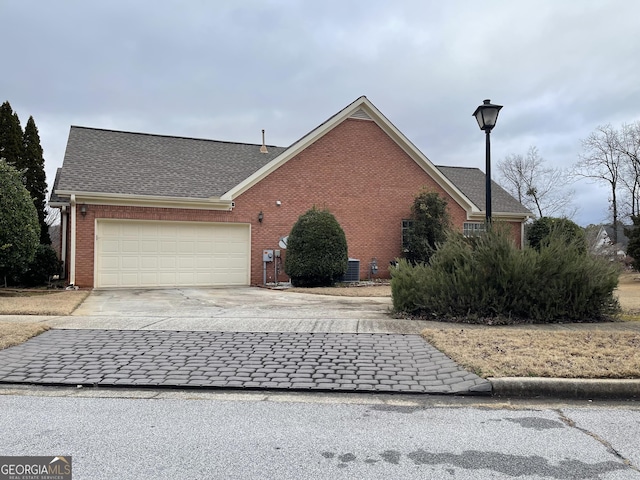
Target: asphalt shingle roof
{"type": "Point", "coordinates": [109, 161]}
{"type": "Point", "coordinates": [471, 182]}
{"type": "Point", "coordinates": [117, 162]}
{"type": "Point", "coordinates": [54, 198]}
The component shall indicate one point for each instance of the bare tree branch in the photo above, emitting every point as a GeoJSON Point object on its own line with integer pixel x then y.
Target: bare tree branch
{"type": "Point", "coordinates": [543, 190]}
{"type": "Point", "coordinates": [601, 162]}
{"type": "Point", "coordinates": [629, 148]}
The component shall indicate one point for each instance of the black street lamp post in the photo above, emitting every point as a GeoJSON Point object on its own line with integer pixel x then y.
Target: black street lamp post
{"type": "Point", "coordinates": [487, 115]}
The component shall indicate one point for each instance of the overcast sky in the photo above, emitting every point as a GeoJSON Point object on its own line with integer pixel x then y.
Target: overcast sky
{"type": "Point", "coordinates": [224, 70]}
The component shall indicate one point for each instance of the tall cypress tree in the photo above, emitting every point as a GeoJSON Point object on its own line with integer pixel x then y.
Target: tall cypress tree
{"type": "Point", "coordinates": [10, 136]}
{"type": "Point", "coordinates": [35, 177]}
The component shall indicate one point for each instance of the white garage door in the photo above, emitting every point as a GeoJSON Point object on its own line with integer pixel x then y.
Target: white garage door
{"type": "Point", "coordinates": [167, 254]}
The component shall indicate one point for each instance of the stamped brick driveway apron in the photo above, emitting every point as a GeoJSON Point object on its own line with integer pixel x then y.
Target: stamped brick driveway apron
{"type": "Point", "coordinates": [298, 361]}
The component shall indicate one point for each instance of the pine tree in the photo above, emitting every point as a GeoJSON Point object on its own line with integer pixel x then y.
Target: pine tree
{"type": "Point", "coordinates": [35, 177]}
{"type": "Point", "coordinates": [10, 136]}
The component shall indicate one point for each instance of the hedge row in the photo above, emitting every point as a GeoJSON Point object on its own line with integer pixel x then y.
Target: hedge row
{"type": "Point", "coordinates": [490, 280]}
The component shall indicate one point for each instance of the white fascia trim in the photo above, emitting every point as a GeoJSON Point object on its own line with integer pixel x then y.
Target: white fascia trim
{"type": "Point", "coordinates": [58, 204]}
{"type": "Point", "coordinates": [323, 129]}
{"type": "Point", "coordinates": [501, 216]}
{"type": "Point", "coordinates": [100, 198]}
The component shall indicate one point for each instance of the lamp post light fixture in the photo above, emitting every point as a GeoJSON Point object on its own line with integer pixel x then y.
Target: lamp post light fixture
{"type": "Point", "coordinates": [487, 116]}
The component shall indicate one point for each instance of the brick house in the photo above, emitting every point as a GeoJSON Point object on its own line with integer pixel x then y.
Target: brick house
{"type": "Point", "coordinates": [142, 210]}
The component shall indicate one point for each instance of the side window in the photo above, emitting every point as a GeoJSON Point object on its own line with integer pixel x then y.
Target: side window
{"type": "Point", "coordinates": [472, 229]}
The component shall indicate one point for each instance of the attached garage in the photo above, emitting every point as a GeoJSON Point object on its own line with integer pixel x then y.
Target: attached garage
{"type": "Point", "coordinates": [135, 253]}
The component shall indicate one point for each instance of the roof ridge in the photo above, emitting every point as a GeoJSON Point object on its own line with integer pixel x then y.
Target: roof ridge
{"type": "Point", "coordinates": [172, 136]}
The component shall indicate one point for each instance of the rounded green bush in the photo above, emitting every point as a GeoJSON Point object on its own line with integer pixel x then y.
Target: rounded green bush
{"type": "Point", "coordinates": [316, 250]}
{"type": "Point", "coordinates": [540, 231]}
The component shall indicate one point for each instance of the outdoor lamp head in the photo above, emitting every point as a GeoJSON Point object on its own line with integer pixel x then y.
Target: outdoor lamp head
{"type": "Point", "coordinates": [487, 115]}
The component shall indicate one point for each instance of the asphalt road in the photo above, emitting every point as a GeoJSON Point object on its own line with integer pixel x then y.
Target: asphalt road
{"type": "Point", "coordinates": [193, 435]}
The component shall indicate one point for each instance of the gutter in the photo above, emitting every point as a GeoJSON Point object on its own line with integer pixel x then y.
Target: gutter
{"type": "Point", "coordinates": [101, 198]}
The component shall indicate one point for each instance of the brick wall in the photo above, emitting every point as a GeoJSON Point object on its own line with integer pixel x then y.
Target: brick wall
{"type": "Point", "coordinates": [356, 171]}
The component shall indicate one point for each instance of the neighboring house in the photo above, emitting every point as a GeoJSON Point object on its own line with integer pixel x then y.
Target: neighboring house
{"type": "Point", "coordinates": [142, 210]}
{"type": "Point", "coordinates": [600, 239]}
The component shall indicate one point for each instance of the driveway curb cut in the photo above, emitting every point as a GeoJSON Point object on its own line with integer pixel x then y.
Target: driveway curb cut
{"type": "Point", "coordinates": [575, 388]}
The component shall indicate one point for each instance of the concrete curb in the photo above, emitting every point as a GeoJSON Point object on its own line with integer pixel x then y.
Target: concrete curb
{"type": "Point", "coordinates": [575, 388]}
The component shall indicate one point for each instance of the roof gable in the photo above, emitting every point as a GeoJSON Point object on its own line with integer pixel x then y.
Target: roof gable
{"type": "Point", "coordinates": [361, 109]}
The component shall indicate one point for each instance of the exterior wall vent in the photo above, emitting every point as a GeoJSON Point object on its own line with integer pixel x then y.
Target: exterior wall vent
{"type": "Point", "coordinates": [360, 114]}
{"type": "Point", "coordinates": [353, 271]}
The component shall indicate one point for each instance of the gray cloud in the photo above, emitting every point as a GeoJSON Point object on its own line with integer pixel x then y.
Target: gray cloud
{"type": "Point", "coordinates": [224, 70]}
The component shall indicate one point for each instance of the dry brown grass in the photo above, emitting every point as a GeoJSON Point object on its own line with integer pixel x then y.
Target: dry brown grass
{"type": "Point", "coordinates": [381, 290]}
{"type": "Point", "coordinates": [629, 295]}
{"type": "Point", "coordinates": [16, 333]}
{"type": "Point", "coordinates": [504, 352]}
{"type": "Point", "coordinates": [41, 302]}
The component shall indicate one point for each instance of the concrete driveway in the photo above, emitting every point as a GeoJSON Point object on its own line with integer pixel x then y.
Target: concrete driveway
{"type": "Point", "coordinates": [239, 309]}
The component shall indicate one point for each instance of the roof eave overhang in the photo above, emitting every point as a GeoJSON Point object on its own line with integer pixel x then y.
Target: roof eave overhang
{"type": "Point", "coordinates": [100, 198]}
{"type": "Point", "coordinates": [390, 129]}
{"type": "Point", "coordinates": [480, 216]}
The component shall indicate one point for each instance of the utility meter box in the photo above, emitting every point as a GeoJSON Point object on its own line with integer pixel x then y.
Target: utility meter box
{"type": "Point", "coordinates": [267, 255]}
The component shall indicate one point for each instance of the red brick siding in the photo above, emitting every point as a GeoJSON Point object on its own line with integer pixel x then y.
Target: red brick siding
{"type": "Point", "coordinates": [356, 171]}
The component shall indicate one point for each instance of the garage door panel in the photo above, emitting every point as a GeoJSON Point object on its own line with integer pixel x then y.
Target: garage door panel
{"type": "Point", "coordinates": [205, 247]}
{"type": "Point", "coordinates": [129, 246]}
{"type": "Point", "coordinates": [186, 247]}
{"type": "Point", "coordinates": [149, 278]}
{"type": "Point", "coordinates": [130, 229]}
{"type": "Point", "coordinates": [110, 245]}
{"type": "Point", "coordinates": [149, 246]}
{"type": "Point", "coordinates": [167, 279]}
{"type": "Point", "coordinates": [149, 263]}
{"type": "Point", "coordinates": [129, 278]}
{"type": "Point", "coordinates": [167, 263]}
{"type": "Point", "coordinates": [155, 253]}
{"type": "Point", "coordinates": [188, 263]}
{"type": "Point", "coordinates": [129, 263]}
{"type": "Point", "coordinates": [168, 246]}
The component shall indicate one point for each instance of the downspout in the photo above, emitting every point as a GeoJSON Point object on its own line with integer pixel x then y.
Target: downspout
{"type": "Point", "coordinates": [522, 235]}
{"type": "Point", "coordinates": [63, 230]}
{"type": "Point", "coordinates": [72, 253]}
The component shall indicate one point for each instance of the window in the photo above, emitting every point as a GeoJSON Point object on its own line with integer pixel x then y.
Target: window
{"type": "Point", "coordinates": [472, 229]}
{"type": "Point", "coordinates": [406, 225]}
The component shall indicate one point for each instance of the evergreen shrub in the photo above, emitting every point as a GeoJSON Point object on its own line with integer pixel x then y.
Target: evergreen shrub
{"type": "Point", "coordinates": [491, 281]}
{"type": "Point", "coordinates": [45, 265]}
{"type": "Point", "coordinates": [316, 250]}
{"type": "Point", "coordinates": [633, 248]}
{"type": "Point", "coordinates": [430, 224]}
{"type": "Point", "coordinates": [539, 231]}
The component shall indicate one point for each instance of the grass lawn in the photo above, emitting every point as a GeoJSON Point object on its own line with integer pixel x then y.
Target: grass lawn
{"type": "Point", "coordinates": [33, 302]}
{"type": "Point", "coordinates": [505, 352]}
{"type": "Point", "coordinates": [15, 333]}
{"type": "Point", "coordinates": [40, 302]}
